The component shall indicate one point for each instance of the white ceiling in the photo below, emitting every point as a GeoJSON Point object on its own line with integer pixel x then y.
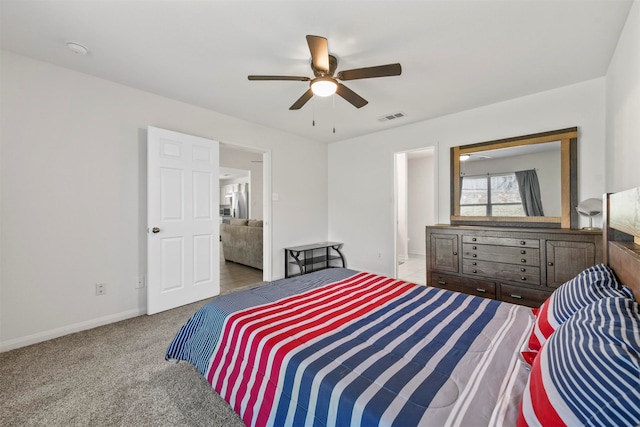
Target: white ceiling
{"type": "Point", "coordinates": [455, 55]}
{"type": "Point", "coordinates": [232, 173]}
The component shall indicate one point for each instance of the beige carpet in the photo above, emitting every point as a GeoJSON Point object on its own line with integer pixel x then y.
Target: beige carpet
{"type": "Point", "coordinates": [114, 375]}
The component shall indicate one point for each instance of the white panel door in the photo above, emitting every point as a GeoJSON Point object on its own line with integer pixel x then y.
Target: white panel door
{"type": "Point", "coordinates": [183, 222]}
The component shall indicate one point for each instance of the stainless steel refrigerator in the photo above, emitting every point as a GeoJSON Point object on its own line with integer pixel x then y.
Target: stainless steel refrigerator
{"type": "Point", "coordinates": [240, 205]}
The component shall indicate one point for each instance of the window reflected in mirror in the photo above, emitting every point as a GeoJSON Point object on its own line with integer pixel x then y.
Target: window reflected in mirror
{"type": "Point", "coordinates": [491, 195]}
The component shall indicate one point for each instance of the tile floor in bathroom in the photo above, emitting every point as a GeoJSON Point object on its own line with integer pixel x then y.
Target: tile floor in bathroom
{"type": "Point", "coordinates": [413, 269]}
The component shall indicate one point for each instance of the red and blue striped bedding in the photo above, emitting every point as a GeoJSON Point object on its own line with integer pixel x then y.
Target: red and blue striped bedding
{"type": "Point", "coordinates": [363, 349]}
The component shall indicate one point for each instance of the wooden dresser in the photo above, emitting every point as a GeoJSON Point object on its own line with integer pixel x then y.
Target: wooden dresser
{"type": "Point", "coordinates": [518, 265]}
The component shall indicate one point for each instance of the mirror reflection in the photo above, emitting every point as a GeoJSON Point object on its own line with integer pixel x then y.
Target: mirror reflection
{"type": "Point", "coordinates": [516, 181]}
{"type": "Point", "coordinates": [522, 181]}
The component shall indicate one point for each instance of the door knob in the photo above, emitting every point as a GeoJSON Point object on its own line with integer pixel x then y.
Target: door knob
{"type": "Point", "coordinates": [155, 230]}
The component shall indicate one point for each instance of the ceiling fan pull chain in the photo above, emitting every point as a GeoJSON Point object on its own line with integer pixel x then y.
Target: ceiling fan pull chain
{"type": "Point", "coordinates": [334, 113]}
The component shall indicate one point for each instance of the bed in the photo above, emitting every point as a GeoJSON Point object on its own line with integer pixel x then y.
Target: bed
{"type": "Point", "coordinates": [343, 347]}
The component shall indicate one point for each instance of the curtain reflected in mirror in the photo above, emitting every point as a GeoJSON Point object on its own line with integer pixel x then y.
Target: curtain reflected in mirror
{"type": "Point", "coordinates": [530, 192]}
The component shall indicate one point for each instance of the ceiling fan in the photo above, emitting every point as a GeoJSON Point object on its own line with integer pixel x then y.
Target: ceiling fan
{"type": "Point", "coordinates": [325, 83]}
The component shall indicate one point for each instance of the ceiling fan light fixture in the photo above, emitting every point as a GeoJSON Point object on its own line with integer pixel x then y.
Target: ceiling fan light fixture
{"type": "Point", "coordinates": [324, 86]}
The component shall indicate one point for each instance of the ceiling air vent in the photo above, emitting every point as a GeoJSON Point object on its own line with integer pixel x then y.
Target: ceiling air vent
{"type": "Point", "coordinates": [393, 116]}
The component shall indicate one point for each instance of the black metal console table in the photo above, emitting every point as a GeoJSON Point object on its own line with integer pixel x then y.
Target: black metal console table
{"type": "Point", "coordinates": [312, 257]}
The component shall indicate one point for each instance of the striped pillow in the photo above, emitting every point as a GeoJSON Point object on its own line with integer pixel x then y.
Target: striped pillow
{"type": "Point", "coordinates": [590, 285]}
{"type": "Point", "coordinates": [588, 372]}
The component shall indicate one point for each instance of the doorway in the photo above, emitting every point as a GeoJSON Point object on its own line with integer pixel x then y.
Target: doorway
{"type": "Point", "coordinates": [247, 169]}
{"type": "Point", "coordinates": [415, 207]}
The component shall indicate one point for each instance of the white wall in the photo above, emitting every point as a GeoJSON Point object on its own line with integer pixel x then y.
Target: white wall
{"type": "Point", "coordinates": [361, 169]}
{"type": "Point", "coordinates": [402, 232]}
{"type": "Point", "coordinates": [421, 193]}
{"type": "Point", "coordinates": [623, 108]}
{"type": "Point", "coordinates": [73, 191]}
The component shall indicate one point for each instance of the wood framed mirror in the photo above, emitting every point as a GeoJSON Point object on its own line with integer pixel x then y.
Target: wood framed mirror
{"type": "Point", "coordinates": [485, 176]}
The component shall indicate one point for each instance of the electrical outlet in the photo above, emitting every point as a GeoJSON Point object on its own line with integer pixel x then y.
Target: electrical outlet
{"type": "Point", "coordinates": [140, 282]}
{"type": "Point", "coordinates": [101, 288]}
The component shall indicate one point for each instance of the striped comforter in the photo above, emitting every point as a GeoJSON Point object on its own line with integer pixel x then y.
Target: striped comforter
{"type": "Point", "coordinates": [356, 349]}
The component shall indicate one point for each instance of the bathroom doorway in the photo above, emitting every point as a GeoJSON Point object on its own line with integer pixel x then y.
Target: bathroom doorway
{"type": "Point", "coordinates": [415, 208]}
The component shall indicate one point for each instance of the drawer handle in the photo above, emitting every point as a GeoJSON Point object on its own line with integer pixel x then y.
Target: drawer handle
{"type": "Point", "coordinates": [516, 296]}
{"type": "Point", "coordinates": [473, 239]}
{"type": "Point", "coordinates": [523, 278]}
{"type": "Point", "coordinates": [474, 263]}
{"type": "Point", "coordinates": [441, 282]}
{"type": "Point", "coordinates": [475, 255]}
{"type": "Point", "coordinates": [475, 271]}
{"type": "Point", "coordinates": [523, 269]}
{"type": "Point", "coordinates": [522, 242]}
{"type": "Point", "coordinates": [481, 290]}
{"type": "Point", "coordinates": [474, 247]}
{"type": "Point", "coordinates": [455, 253]}
{"type": "Point", "coordinates": [549, 263]}
{"type": "Point", "coordinates": [523, 252]}
{"type": "Point", "coordinates": [523, 260]}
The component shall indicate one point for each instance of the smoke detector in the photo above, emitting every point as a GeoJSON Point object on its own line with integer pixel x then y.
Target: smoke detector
{"type": "Point", "coordinates": [77, 48]}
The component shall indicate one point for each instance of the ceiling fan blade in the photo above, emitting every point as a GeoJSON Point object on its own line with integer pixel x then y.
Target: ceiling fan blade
{"type": "Point", "coordinates": [301, 79]}
{"type": "Point", "coordinates": [319, 48]}
{"type": "Point", "coordinates": [302, 100]}
{"type": "Point", "coordinates": [370, 72]}
{"type": "Point", "coordinates": [352, 97]}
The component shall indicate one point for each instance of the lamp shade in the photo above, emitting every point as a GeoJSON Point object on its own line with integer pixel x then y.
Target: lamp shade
{"type": "Point", "coordinates": [590, 207]}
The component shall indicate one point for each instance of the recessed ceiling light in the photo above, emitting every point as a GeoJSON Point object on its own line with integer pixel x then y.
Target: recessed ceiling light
{"type": "Point", "coordinates": [77, 48]}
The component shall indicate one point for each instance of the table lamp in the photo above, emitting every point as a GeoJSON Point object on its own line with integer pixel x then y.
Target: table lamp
{"type": "Point", "coordinates": [590, 208]}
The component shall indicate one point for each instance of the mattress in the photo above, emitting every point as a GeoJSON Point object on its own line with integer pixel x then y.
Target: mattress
{"type": "Point", "coordinates": [341, 347]}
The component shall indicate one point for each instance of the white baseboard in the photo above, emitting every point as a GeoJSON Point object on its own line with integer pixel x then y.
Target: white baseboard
{"type": "Point", "coordinates": [69, 329]}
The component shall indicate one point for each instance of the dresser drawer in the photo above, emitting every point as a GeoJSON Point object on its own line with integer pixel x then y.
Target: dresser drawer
{"type": "Point", "coordinates": [480, 288]}
{"type": "Point", "coordinates": [502, 241]}
{"type": "Point", "coordinates": [523, 296]}
{"type": "Point", "coordinates": [501, 271]}
{"type": "Point", "coordinates": [504, 254]}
